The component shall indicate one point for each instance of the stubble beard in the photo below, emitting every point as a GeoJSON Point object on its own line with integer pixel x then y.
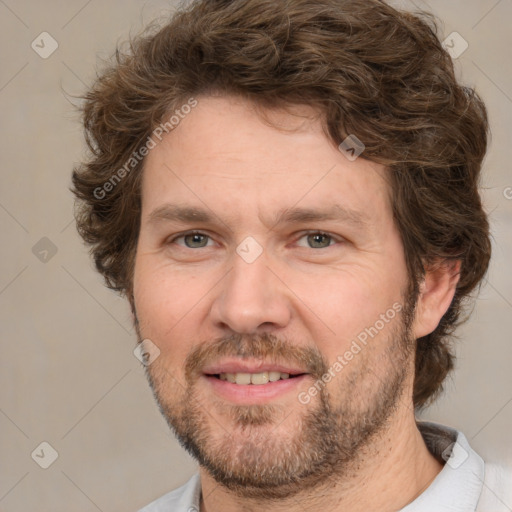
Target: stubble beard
{"type": "Point", "coordinates": [254, 458]}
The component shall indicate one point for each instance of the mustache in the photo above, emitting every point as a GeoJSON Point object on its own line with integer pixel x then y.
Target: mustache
{"type": "Point", "coordinates": [265, 347]}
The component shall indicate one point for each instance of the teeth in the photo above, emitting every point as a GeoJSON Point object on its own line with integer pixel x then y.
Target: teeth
{"type": "Point", "coordinates": [259, 378]}
{"type": "Point", "coordinates": [273, 376]}
{"type": "Point", "coordinates": [243, 378]}
{"type": "Point", "coordinates": [253, 378]}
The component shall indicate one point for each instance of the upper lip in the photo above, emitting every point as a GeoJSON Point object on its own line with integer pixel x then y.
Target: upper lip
{"type": "Point", "coordinates": [247, 366]}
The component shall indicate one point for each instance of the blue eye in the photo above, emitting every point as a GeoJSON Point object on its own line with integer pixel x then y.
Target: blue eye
{"type": "Point", "coordinates": [193, 240]}
{"type": "Point", "coordinates": [317, 240]}
{"type": "Point", "coordinates": [312, 240]}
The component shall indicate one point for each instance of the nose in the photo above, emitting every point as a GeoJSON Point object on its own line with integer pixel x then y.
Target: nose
{"type": "Point", "coordinates": [251, 299]}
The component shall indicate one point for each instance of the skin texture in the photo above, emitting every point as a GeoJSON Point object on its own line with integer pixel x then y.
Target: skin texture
{"type": "Point", "coordinates": [354, 445]}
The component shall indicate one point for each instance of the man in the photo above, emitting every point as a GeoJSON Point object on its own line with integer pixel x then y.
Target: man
{"type": "Point", "coordinates": [287, 194]}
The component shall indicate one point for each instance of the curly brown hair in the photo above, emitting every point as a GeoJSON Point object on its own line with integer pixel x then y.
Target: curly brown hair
{"type": "Point", "coordinates": [366, 67]}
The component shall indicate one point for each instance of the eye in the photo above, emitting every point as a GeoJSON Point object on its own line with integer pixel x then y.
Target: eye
{"type": "Point", "coordinates": [193, 240]}
{"type": "Point", "coordinates": [317, 240]}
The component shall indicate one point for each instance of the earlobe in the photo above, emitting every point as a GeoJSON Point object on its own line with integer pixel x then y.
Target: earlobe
{"type": "Point", "coordinates": [435, 295]}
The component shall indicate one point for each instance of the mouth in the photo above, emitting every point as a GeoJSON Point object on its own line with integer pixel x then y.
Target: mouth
{"type": "Point", "coordinates": [256, 379]}
{"type": "Point", "coordinates": [243, 382]}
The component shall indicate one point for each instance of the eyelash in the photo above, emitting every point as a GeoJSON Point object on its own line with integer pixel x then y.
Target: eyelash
{"type": "Point", "coordinates": [333, 238]}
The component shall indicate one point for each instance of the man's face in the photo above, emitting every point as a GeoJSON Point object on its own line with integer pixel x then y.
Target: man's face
{"type": "Point", "coordinates": [266, 252]}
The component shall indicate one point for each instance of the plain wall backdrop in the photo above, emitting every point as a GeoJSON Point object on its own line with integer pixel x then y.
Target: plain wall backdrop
{"type": "Point", "coordinates": [68, 373]}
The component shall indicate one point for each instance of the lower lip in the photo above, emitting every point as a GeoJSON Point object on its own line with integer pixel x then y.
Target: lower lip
{"type": "Point", "coordinates": [254, 393]}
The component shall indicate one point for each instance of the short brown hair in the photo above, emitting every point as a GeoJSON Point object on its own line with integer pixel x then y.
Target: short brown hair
{"type": "Point", "coordinates": [369, 69]}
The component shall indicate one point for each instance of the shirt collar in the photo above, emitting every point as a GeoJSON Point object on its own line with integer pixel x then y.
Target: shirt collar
{"type": "Point", "coordinates": [458, 486]}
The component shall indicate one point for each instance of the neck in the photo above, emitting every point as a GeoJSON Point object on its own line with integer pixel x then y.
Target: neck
{"type": "Point", "coordinates": [393, 470]}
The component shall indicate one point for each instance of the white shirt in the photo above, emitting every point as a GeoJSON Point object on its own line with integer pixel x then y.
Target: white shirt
{"type": "Point", "coordinates": [465, 484]}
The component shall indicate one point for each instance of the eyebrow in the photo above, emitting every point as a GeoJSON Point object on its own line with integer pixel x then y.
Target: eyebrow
{"type": "Point", "coordinates": [334, 213]}
{"type": "Point", "coordinates": [191, 214]}
{"type": "Point", "coordinates": [176, 213]}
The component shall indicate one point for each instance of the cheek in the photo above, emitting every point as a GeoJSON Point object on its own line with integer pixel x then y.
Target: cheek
{"type": "Point", "coordinates": [362, 306]}
{"type": "Point", "coordinates": [165, 303]}
{"type": "Point", "coordinates": [163, 294]}
{"type": "Point", "coordinates": [162, 315]}
{"type": "Point", "coordinates": [354, 296]}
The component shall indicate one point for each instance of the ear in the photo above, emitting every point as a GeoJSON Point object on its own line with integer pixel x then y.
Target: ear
{"type": "Point", "coordinates": [435, 296]}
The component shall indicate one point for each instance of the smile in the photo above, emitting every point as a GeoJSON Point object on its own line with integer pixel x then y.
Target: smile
{"type": "Point", "coordinates": [258, 379]}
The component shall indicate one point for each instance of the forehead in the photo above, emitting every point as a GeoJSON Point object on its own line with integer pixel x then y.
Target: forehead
{"type": "Point", "coordinates": [228, 155]}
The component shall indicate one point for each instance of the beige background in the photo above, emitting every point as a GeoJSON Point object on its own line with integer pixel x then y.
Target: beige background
{"type": "Point", "coordinates": [68, 375]}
